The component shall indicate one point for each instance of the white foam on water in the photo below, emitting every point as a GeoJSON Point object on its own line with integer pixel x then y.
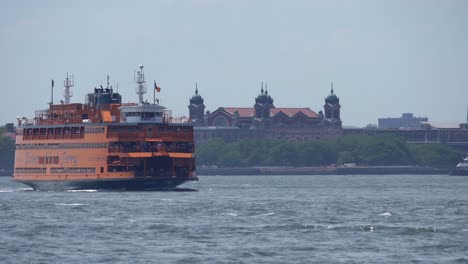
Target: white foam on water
{"type": "Point", "coordinates": [82, 190]}
{"type": "Point", "coordinates": [266, 214]}
{"type": "Point", "coordinates": [231, 214]}
{"type": "Point", "coordinates": [16, 190]}
{"type": "Point", "coordinates": [386, 214]}
{"type": "Point", "coordinates": [70, 204]}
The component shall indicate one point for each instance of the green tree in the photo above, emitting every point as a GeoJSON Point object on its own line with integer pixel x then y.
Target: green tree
{"type": "Point", "coordinates": [436, 155]}
{"type": "Point", "coordinates": [363, 150]}
{"type": "Point", "coordinates": [7, 153]}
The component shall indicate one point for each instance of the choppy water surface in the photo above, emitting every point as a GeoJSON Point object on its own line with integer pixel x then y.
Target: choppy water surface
{"type": "Point", "coordinates": [288, 219]}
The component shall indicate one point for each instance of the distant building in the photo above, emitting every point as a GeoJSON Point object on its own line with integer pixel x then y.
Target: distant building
{"type": "Point", "coordinates": [440, 125]}
{"type": "Point", "coordinates": [265, 121]}
{"type": "Point", "coordinates": [465, 125]}
{"type": "Point", "coordinates": [406, 121]}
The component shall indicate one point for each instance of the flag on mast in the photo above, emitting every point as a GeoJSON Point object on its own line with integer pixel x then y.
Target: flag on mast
{"type": "Point", "coordinates": [156, 87]}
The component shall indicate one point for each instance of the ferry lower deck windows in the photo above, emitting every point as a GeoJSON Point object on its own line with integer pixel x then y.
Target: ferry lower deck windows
{"type": "Point", "coordinates": [30, 170]}
{"type": "Point", "coordinates": [90, 145]}
{"type": "Point", "coordinates": [73, 170]}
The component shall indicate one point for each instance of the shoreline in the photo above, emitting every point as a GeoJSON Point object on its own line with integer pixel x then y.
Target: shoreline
{"type": "Point", "coordinates": [357, 170]}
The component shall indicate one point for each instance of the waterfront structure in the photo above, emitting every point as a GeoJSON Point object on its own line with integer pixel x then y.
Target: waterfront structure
{"type": "Point", "coordinates": [461, 169]}
{"type": "Point", "coordinates": [454, 137]}
{"type": "Point", "coordinates": [265, 121]}
{"type": "Point", "coordinates": [406, 121]}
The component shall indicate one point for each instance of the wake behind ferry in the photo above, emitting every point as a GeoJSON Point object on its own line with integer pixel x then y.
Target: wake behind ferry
{"type": "Point", "coordinates": [104, 144]}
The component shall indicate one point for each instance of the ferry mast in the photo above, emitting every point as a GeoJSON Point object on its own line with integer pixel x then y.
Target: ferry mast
{"type": "Point", "coordinates": [141, 84]}
{"type": "Point", "coordinates": [68, 83]}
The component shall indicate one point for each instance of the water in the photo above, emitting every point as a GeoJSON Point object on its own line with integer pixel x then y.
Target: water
{"type": "Point", "coordinates": [257, 219]}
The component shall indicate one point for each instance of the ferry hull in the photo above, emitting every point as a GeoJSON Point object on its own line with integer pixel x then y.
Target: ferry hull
{"type": "Point", "coordinates": [134, 184]}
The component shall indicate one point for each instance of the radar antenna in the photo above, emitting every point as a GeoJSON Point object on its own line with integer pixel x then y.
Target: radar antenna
{"type": "Point", "coordinates": [68, 83]}
{"type": "Point", "coordinates": [141, 84]}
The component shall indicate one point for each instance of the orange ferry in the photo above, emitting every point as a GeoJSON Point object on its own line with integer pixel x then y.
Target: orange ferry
{"type": "Point", "coordinates": [104, 144]}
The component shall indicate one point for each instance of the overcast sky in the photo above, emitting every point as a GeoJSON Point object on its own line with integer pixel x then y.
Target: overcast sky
{"type": "Point", "coordinates": [384, 57]}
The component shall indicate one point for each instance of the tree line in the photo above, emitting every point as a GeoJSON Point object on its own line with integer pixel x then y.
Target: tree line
{"type": "Point", "coordinates": [361, 150]}
{"type": "Point", "coordinates": [7, 151]}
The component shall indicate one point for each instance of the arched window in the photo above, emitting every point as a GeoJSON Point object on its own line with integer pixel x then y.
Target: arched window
{"type": "Point", "coordinates": [220, 121]}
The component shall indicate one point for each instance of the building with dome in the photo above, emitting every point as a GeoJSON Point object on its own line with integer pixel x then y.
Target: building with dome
{"type": "Point", "coordinates": [264, 120]}
{"type": "Point", "coordinates": [196, 108]}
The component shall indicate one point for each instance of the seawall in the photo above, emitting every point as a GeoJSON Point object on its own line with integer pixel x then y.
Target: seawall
{"type": "Point", "coordinates": [357, 170]}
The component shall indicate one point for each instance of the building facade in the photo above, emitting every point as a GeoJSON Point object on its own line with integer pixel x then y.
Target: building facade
{"type": "Point", "coordinates": [265, 121]}
{"type": "Point", "coordinates": [406, 121]}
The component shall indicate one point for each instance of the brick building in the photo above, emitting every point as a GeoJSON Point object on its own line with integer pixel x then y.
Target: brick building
{"type": "Point", "coordinates": [265, 121]}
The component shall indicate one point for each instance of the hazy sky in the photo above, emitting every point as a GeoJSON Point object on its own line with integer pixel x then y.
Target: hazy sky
{"type": "Point", "coordinates": [384, 57]}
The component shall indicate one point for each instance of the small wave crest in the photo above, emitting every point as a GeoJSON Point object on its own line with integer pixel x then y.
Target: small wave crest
{"type": "Point", "coordinates": [26, 189]}
{"type": "Point", "coordinates": [91, 190]}
{"type": "Point", "coordinates": [265, 214]}
{"type": "Point", "coordinates": [16, 190]}
{"type": "Point", "coordinates": [70, 204]}
{"type": "Point", "coordinates": [231, 214]}
{"type": "Point", "coordinates": [418, 230]}
{"type": "Point", "coordinates": [386, 214]}
{"type": "Point", "coordinates": [370, 228]}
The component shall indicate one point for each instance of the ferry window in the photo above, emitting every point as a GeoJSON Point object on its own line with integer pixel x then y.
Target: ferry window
{"type": "Point", "coordinates": [102, 169]}
{"type": "Point", "coordinates": [148, 115]}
